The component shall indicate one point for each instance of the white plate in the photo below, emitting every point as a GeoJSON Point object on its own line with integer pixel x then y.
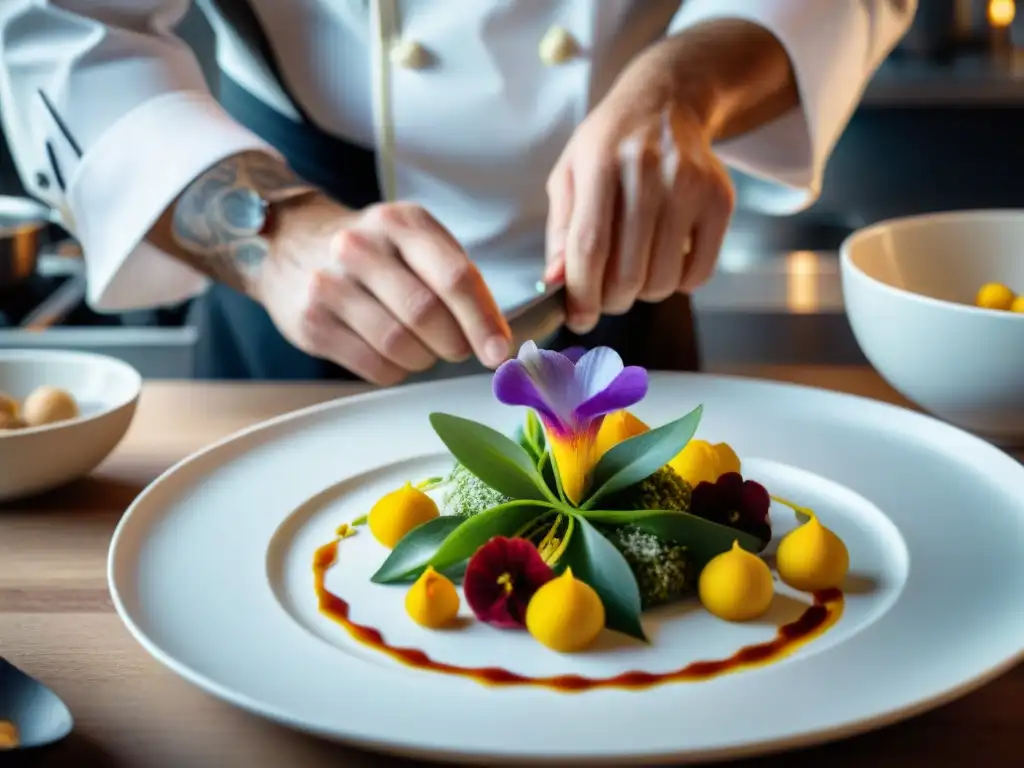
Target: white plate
{"type": "Point", "coordinates": [211, 571]}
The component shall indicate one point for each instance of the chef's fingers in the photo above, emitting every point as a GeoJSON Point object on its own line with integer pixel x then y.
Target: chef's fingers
{"type": "Point", "coordinates": [370, 258]}
{"type": "Point", "coordinates": [364, 314]}
{"type": "Point", "coordinates": [672, 246]}
{"type": "Point", "coordinates": [595, 189]}
{"type": "Point", "coordinates": [326, 337]}
{"type": "Point", "coordinates": [641, 192]}
{"type": "Point", "coordinates": [434, 256]}
{"type": "Point", "coordinates": [560, 199]}
{"type": "Point", "coordinates": [708, 235]}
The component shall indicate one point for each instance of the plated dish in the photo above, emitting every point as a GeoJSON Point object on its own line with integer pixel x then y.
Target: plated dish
{"type": "Point", "coordinates": [212, 570]}
{"type": "Point", "coordinates": [581, 521]}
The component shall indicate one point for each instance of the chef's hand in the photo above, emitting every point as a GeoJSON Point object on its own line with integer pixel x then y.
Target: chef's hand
{"type": "Point", "coordinates": [382, 292]}
{"type": "Point", "coordinates": [639, 204]}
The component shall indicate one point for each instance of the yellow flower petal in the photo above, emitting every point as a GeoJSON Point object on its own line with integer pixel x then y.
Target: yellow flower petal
{"type": "Point", "coordinates": [728, 461]}
{"type": "Point", "coordinates": [696, 463]}
{"type": "Point", "coordinates": [616, 427]}
{"type": "Point", "coordinates": [574, 458]}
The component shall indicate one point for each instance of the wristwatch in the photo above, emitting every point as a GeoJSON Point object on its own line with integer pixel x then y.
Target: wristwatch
{"type": "Point", "coordinates": [251, 212]}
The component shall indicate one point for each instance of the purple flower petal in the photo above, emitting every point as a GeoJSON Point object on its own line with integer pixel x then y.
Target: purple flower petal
{"type": "Point", "coordinates": [555, 377]}
{"type": "Point", "coordinates": [596, 370]}
{"type": "Point", "coordinates": [542, 380]}
{"type": "Point", "coordinates": [574, 353]}
{"type": "Point", "coordinates": [512, 385]}
{"type": "Point", "coordinates": [626, 389]}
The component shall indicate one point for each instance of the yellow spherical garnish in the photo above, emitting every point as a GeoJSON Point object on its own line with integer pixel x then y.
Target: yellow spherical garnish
{"type": "Point", "coordinates": [812, 558]}
{"type": "Point", "coordinates": [700, 461]}
{"type": "Point", "coordinates": [616, 427]}
{"type": "Point", "coordinates": [433, 601]}
{"type": "Point", "coordinates": [48, 405]}
{"type": "Point", "coordinates": [9, 422]}
{"type": "Point", "coordinates": [994, 296]}
{"type": "Point", "coordinates": [1017, 305]}
{"type": "Point", "coordinates": [399, 512]}
{"type": "Point", "coordinates": [9, 738]}
{"type": "Point", "coordinates": [8, 405]}
{"type": "Point", "coordinates": [736, 585]}
{"type": "Point", "coordinates": [565, 614]}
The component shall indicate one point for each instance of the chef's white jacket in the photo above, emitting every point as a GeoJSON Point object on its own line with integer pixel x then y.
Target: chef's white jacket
{"type": "Point", "coordinates": [465, 114]}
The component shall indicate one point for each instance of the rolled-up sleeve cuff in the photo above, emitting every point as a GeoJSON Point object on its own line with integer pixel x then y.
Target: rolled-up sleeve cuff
{"type": "Point", "coordinates": [828, 46]}
{"type": "Point", "coordinates": [125, 182]}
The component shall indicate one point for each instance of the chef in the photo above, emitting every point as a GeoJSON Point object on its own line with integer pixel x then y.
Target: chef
{"type": "Point", "coordinates": [380, 181]}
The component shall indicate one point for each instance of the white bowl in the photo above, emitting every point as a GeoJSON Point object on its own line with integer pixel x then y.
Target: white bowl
{"type": "Point", "coordinates": [909, 286]}
{"type": "Point", "coordinates": [37, 459]}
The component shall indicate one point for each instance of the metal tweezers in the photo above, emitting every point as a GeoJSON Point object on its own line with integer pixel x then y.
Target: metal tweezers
{"type": "Point", "coordinates": [540, 317]}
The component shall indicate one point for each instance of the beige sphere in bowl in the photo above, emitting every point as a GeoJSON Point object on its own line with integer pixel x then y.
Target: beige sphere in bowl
{"type": "Point", "coordinates": [10, 421]}
{"type": "Point", "coordinates": [48, 405]}
{"type": "Point", "coordinates": [8, 405]}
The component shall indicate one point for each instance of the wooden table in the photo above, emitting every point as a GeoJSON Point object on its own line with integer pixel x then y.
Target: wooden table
{"type": "Point", "coordinates": [57, 622]}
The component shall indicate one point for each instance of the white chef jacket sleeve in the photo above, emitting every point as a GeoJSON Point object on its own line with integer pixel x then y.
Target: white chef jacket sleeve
{"type": "Point", "coordinates": [134, 124]}
{"type": "Point", "coordinates": [835, 47]}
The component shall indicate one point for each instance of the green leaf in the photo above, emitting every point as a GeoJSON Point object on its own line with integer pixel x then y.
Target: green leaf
{"type": "Point", "coordinates": [526, 445]}
{"type": "Point", "coordinates": [549, 470]}
{"type": "Point", "coordinates": [430, 483]}
{"type": "Point", "coordinates": [535, 432]}
{"type": "Point", "coordinates": [497, 460]}
{"type": "Point", "coordinates": [502, 520]}
{"type": "Point", "coordinates": [413, 552]}
{"type": "Point", "coordinates": [704, 539]}
{"type": "Point", "coordinates": [597, 562]}
{"type": "Point", "coordinates": [640, 456]}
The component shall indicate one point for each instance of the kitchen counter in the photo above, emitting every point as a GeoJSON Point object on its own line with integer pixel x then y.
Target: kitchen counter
{"type": "Point", "coordinates": [57, 622]}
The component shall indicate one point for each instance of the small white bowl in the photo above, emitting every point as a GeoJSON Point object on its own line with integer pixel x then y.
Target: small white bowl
{"type": "Point", "coordinates": [909, 285]}
{"type": "Point", "coordinates": [37, 459]}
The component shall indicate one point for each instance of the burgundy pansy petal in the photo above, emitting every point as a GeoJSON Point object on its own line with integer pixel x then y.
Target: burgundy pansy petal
{"type": "Point", "coordinates": [500, 579]}
{"type": "Point", "coordinates": [754, 501]}
{"type": "Point", "coordinates": [731, 485]}
{"type": "Point", "coordinates": [706, 501]}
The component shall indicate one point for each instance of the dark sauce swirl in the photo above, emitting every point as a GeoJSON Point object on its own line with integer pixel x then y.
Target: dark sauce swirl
{"type": "Point", "coordinates": [825, 611]}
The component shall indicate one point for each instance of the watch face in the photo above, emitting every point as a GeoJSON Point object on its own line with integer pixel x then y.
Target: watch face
{"type": "Point", "coordinates": [244, 211]}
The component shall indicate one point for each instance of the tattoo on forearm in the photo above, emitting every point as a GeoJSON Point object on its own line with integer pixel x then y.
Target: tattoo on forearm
{"type": "Point", "coordinates": [217, 221]}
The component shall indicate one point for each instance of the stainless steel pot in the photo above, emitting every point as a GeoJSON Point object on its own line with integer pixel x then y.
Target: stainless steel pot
{"type": "Point", "coordinates": [27, 228]}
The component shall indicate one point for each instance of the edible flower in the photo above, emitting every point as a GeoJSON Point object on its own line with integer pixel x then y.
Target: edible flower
{"type": "Point", "coordinates": [566, 614]}
{"type": "Point", "coordinates": [571, 392]}
{"type": "Point", "coordinates": [432, 601]}
{"type": "Point", "coordinates": [702, 462]}
{"type": "Point", "coordinates": [733, 501]}
{"type": "Point", "coordinates": [616, 427]}
{"type": "Point", "coordinates": [501, 578]}
{"type": "Point", "coordinates": [398, 512]}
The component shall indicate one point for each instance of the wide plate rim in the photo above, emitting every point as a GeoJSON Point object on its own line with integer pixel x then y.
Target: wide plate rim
{"type": "Point", "coordinates": [424, 748]}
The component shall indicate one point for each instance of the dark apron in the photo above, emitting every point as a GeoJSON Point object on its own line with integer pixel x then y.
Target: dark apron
{"type": "Point", "coordinates": [238, 340]}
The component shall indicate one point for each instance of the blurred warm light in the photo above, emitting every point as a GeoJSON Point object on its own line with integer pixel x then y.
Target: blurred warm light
{"type": "Point", "coordinates": [1001, 12]}
{"type": "Point", "coordinates": [802, 272]}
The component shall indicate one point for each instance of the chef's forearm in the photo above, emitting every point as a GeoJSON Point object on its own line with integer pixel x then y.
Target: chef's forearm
{"type": "Point", "coordinates": [207, 225]}
{"type": "Point", "coordinates": [733, 74]}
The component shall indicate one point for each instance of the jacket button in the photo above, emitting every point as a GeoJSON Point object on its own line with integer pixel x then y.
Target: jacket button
{"type": "Point", "coordinates": [409, 54]}
{"type": "Point", "coordinates": [556, 47]}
